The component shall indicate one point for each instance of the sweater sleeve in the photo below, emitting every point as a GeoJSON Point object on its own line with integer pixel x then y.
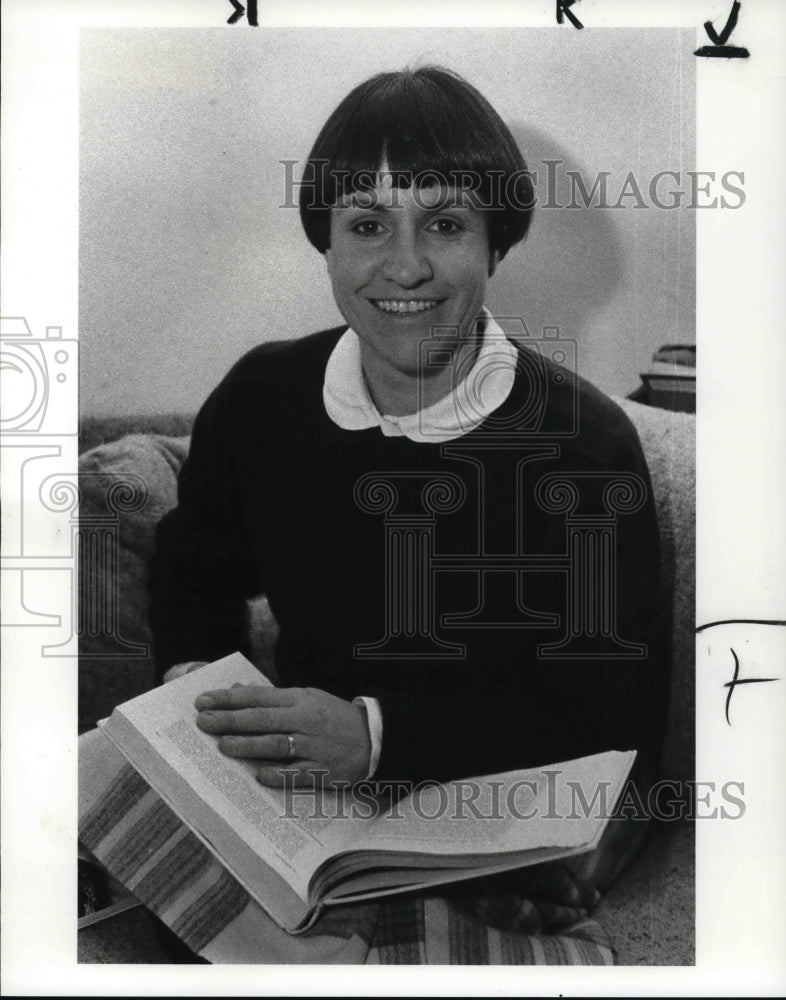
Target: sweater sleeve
{"type": "Point", "coordinates": [528, 709]}
{"type": "Point", "coordinates": [202, 571]}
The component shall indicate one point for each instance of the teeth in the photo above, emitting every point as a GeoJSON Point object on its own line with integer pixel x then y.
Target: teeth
{"type": "Point", "coordinates": [405, 306]}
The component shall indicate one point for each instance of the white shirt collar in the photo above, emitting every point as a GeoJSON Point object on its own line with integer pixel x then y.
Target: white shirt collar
{"type": "Point", "coordinates": [485, 388]}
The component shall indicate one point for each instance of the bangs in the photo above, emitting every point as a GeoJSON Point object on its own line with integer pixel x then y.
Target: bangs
{"type": "Point", "coordinates": [417, 129]}
{"type": "Point", "coordinates": [427, 127]}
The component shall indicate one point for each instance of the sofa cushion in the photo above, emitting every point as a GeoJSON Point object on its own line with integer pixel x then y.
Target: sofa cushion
{"type": "Point", "coordinates": [126, 487]}
{"type": "Point", "coordinates": [668, 440]}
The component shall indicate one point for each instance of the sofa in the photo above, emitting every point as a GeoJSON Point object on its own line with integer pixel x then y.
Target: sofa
{"type": "Point", "coordinates": [128, 479]}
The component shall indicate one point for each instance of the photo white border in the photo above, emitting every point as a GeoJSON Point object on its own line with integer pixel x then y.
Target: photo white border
{"type": "Point", "coordinates": [741, 917]}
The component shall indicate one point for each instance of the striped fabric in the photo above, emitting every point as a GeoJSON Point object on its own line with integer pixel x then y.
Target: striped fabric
{"type": "Point", "coordinates": [537, 916]}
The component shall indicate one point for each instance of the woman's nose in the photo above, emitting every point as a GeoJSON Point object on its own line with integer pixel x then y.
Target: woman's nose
{"type": "Point", "coordinates": [406, 263]}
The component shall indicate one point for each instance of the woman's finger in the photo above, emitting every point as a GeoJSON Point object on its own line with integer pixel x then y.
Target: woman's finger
{"type": "Point", "coordinates": [276, 746]}
{"type": "Point", "coordinates": [247, 696]}
{"type": "Point", "coordinates": [248, 721]}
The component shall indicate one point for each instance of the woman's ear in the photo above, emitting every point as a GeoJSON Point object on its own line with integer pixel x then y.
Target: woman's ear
{"type": "Point", "coordinates": [494, 259]}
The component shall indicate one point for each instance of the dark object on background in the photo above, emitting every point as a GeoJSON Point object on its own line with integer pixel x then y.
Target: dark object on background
{"type": "Point", "coordinates": [92, 888]}
{"type": "Point", "coordinates": [677, 354]}
{"type": "Point", "coordinates": [670, 382]}
{"type": "Point", "coordinates": [177, 952]}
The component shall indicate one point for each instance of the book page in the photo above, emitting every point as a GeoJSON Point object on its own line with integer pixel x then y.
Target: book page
{"type": "Point", "coordinates": [563, 805]}
{"type": "Point", "coordinates": [288, 834]}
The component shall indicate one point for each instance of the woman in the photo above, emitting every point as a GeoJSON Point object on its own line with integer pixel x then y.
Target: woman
{"type": "Point", "coordinates": [390, 487]}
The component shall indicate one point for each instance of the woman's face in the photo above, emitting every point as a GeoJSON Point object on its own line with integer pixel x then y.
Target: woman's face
{"type": "Point", "coordinates": [404, 261]}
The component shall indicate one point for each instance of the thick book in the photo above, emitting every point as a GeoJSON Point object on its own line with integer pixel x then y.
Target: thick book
{"type": "Point", "coordinates": [296, 853]}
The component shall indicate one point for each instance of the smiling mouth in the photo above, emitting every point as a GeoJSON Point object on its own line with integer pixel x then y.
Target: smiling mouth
{"type": "Point", "coordinates": [404, 307]}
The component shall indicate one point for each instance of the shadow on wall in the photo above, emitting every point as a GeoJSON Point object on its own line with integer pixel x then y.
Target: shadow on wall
{"type": "Point", "coordinates": [571, 265]}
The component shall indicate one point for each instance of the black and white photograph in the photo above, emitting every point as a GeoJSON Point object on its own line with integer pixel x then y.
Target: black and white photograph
{"type": "Point", "coordinates": [356, 542]}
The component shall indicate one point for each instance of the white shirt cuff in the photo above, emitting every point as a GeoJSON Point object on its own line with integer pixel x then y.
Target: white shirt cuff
{"type": "Point", "coordinates": [374, 718]}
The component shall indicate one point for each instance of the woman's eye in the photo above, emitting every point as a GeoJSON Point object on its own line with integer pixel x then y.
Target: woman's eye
{"type": "Point", "coordinates": [367, 227]}
{"type": "Point", "coordinates": [446, 227]}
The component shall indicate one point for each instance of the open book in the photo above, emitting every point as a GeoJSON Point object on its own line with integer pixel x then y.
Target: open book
{"type": "Point", "coordinates": [295, 853]}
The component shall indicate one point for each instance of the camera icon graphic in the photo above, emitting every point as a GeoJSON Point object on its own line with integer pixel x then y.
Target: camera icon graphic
{"type": "Point", "coordinates": [543, 366]}
{"type": "Point", "coordinates": [40, 378]}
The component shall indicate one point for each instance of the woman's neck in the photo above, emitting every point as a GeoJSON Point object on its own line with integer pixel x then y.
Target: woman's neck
{"type": "Point", "coordinates": [397, 394]}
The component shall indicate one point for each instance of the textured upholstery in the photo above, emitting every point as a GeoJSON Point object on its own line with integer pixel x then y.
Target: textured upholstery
{"type": "Point", "coordinates": [668, 441]}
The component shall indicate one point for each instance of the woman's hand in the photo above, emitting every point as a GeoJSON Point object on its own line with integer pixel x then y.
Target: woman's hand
{"type": "Point", "coordinates": [297, 729]}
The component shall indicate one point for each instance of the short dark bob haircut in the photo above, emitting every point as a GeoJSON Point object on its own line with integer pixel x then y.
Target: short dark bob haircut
{"type": "Point", "coordinates": [429, 125]}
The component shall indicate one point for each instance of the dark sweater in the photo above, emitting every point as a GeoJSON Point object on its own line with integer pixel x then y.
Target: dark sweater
{"type": "Point", "coordinates": [273, 499]}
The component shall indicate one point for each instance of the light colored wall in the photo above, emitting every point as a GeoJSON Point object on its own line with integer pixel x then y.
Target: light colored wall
{"type": "Point", "coordinates": [187, 258]}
